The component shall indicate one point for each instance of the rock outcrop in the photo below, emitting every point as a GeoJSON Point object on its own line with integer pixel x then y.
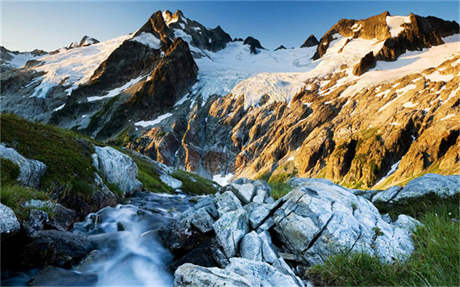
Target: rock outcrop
{"type": "Point", "coordinates": [441, 186]}
{"type": "Point", "coordinates": [85, 41]}
{"type": "Point", "coordinates": [117, 168]}
{"type": "Point", "coordinates": [310, 42]}
{"type": "Point", "coordinates": [253, 43]}
{"type": "Point", "coordinates": [30, 170]}
{"type": "Point", "coordinates": [245, 232]}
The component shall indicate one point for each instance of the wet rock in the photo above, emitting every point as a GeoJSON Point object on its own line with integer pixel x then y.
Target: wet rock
{"type": "Point", "coordinates": [61, 217]}
{"type": "Point", "coordinates": [54, 276]}
{"type": "Point", "coordinates": [55, 247]}
{"type": "Point", "coordinates": [30, 170]}
{"type": "Point", "coordinates": [117, 168]}
{"type": "Point", "coordinates": [9, 223]}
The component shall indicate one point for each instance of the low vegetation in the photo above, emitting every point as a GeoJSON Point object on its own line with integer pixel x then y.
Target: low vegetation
{"type": "Point", "coordinates": [434, 262]}
{"type": "Point", "coordinates": [195, 184]}
{"type": "Point", "coordinates": [14, 196]}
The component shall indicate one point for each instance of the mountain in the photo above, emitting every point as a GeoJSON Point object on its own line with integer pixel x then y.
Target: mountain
{"type": "Point", "coordinates": [191, 97]}
{"type": "Point", "coordinates": [85, 41]}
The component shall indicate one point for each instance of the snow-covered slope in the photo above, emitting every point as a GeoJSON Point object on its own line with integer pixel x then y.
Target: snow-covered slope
{"type": "Point", "coordinates": [74, 66]}
{"type": "Point", "coordinates": [344, 52]}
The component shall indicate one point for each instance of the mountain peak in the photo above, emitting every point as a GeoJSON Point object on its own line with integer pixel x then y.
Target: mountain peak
{"type": "Point", "coordinates": [310, 42]}
{"type": "Point", "coordinates": [85, 41]}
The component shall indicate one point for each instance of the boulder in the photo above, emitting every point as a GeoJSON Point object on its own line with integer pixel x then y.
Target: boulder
{"type": "Point", "coordinates": [440, 185]}
{"type": "Point", "coordinates": [62, 217]}
{"type": "Point", "coordinates": [318, 219]}
{"type": "Point", "coordinates": [240, 272]}
{"type": "Point", "coordinates": [118, 168]}
{"type": "Point", "coordinates": [230, 229]}
{"type": "Point", "coordinates": [59, 248]}
{"type": "Point", "coordinates": [30, 170]}
{"type": "Point", "coordinates": [9, 223]}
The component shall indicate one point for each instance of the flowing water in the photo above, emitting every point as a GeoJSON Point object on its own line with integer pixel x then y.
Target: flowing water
{"type": "Point", "coordinates": [131, 253]}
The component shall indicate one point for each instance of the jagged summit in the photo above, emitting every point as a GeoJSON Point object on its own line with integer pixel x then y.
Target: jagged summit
{"type": "Point", "coordinates": [310, 42]}
{"type": "Point", "coordinates": [85, 41]}
{"type": "Point", "coordinates": [254, 44]}
{"type": "Point", "coordinates": [395, 34]}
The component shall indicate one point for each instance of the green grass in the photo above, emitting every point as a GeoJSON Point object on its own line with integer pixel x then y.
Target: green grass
{"type": "Point", "coordinates": [9, 172]}
{"type": "Point", "coordinates": [14, 196]}
{"type": "Point", "coordinates": [279, 189]}
{"type": "Point", "coordinates": [66, 154]}
{"type": "Point", "coordinates": [435, 261]}
{"type": "Point", "coordinates": [149, 176]}
{"type": "Point", "coordinates": [194, 184]}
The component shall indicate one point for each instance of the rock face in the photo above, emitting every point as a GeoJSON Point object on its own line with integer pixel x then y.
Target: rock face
{"type": "Point", "coordinates": [250, 232]}
{"type": "Point", "coordinates": [253, 43]}
{"type": "Point", "coordinates": [117, 168]}
{"type": "Point", "coordinates": [30, 170]}
{"type": "Point", "coordinates": [442, 186]}
{"type": "Point", "coordinates": [310, 42]}
{"type": "Point", "coordinates": [281, 47]}
{"type": "Point", "coordinates": [417, 33]}
{"type": "Point", "coordinates": [85, 41]}
{"type": "Point", "coordinates": [9, 224]}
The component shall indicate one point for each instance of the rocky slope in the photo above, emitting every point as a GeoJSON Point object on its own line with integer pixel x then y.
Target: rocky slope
{"type": "Point", "coordinates": [192, 98]}
{"type": "Point", "coordinates": [51, 178]}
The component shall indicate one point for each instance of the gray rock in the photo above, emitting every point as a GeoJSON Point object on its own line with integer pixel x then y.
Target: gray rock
{"type": "Point", "coordinates": [117, 168]}
{"type": "Point", "coordinates": [9, 223]}
{"type": "Point", "coordinates": [30, 170]}
{"type": "Point", "coordinates": [202, 220]}
{"type": "Point", "coordinates": [319, 219]}
{"type": "Point", "coordinates": [251, 247]}
{"type": "Point", "coordinates": [386, 195]}
{"type": "Point", "coordinates": [62, 217]}
{"type": "Point", "coordinates": [240, 272]}
{"type": "Point", "coordinates": [441, 185]}
{"type": "Point", "coordinates": [226, 202]}
{"type": "Point", "coordinates": [244, 191]}
{"type": "Point", "coordinates": [257, 212]}
{"type": "Point", "coordinates": [230, 229]}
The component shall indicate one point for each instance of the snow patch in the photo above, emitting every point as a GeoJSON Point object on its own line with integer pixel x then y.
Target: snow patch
{"type": "Point", "coordinates": [409, 105]}
{"type": "Point", "coordinates": [116, 91]}
{"type": "Point", "coordinates": [448, 117]}
{"type": "Point", "coordinates": [395, 24]}
{"type": "Point", "coordinates": [148, 40]}
{"type": "Point", "coordinates": [153, 122]}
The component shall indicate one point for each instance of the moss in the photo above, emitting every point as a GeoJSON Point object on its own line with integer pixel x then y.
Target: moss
{"type": "Point", "coordinates": [9, 172]}
{"type": "Point", "coordinates": [98, 116]}
{"type": "Point", "coordinates": [115, 189]}
{"type": "Point", "coordinates": [14, 196]}
{"type": "Point", "coordinates": [279, 189]}
{"type": "Point", "coordinates": [66, 154]}
{"type": "Point", "coordinates": [435, 261]}
{"type": "Point", "coordinates": [149, 176]}
{"type": "Point", "coordinates": [194, 184]}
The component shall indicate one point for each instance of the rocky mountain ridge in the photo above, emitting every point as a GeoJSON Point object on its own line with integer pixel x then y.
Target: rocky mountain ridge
{"type": "Point", "coordinates": [184, 100]}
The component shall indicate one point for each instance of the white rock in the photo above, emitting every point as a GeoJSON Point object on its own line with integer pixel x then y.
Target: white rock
{"type": "Point", "coordinates": [441, 185]}
{"type": "Point", "coordinates": [244, 192]}
{"type": "Point", "coordinates": [319, 219]}
{"type": "Point", "coordinates": [30, 170]}
{"type": "Point", "coordinates": [117, 168]}
{"type": "Point", "coordinates": [8, 220]}
{"type": "Point", "coordinates": [230, 229]}
{"type": "Point", "coordinates": [227, 201]}
{"type": "Point", "coordinates": [171, 181]}
{"type": "Point", "coordinates": [387, 194]}
{"type": "Point", "coordinates": [251, 246]}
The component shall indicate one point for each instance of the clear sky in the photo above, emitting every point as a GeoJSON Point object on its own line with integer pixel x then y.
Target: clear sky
{"type": "Point", "coordinates": [51, 25]}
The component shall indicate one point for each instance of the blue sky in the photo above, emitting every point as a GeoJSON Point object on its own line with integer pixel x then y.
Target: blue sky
{"type": "Point", "coordinates": [50, 25]}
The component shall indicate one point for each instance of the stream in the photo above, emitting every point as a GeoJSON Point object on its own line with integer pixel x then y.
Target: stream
{"type": "Point", "coordinates": [131, 253]}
